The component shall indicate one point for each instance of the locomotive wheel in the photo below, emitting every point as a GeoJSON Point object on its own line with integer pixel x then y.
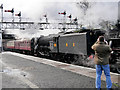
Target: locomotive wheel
{"type": "Point", "coordinates": [118, 68]}
{"type": "Point", "coordinates": [68, 58]}
{"type": "Point", "coordinates": [75, 59]}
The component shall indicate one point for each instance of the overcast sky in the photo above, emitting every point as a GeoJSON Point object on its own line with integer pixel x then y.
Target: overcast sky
{"type": "Point", "coordinates": [98, 10]}
{"type": "Point", "coordinates": [35, 9]}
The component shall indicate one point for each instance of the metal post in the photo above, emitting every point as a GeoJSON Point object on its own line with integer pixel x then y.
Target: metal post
{"type": "Point", "coordinates": [1, 47]}
{"type": "Point", "coordinates": [20, 21]}
{"type": "Point", "coordinates": [1, 16]}
{"type": "Point", "coordinates": [20, 18]}
{"type": "Point", "coordinates": [13, 17]}
{"type": "Point", "coordinates": [70, 19]}
{"type": "Point", "coordinates": [46, 20]}
{"type": "Point", "coordinates": [64, 22]}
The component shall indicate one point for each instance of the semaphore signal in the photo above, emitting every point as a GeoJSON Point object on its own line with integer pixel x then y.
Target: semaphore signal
{"type": "Point", "coordinates": [12, 11]}
{"type": "Point", "coordinates": [19, 14]}
{"type": "Point", "coordinates": [64, 13]}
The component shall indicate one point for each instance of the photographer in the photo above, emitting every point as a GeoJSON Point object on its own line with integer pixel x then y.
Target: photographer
{"type": "Point", "coordinates": [102, 54]}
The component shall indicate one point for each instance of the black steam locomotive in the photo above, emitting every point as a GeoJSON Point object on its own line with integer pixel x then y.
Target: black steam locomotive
{"type": "Point", "coordinates": [67, 47]}
{"type": "Point", "coordinates": [115, 55]}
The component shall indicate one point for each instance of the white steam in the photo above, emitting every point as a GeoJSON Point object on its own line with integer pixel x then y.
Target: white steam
{"type": "Point", "coordinates": [92, 16]}
{"type": "Point", "coordinates": [98, 12]}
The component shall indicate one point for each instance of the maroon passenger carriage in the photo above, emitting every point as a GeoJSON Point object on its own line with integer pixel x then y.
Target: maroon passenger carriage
{"type": "Point", "coordinates": [9, 45]}
{"type": "Point", "coordinates": [23, 45]}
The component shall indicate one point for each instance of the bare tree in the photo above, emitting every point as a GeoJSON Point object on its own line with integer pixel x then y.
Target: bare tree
{"type": "Point", "coordinates": [84, 5]}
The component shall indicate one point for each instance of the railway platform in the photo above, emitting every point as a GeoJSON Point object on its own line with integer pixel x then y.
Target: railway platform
{"type": "Point", "coordinates": [38, 72]}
